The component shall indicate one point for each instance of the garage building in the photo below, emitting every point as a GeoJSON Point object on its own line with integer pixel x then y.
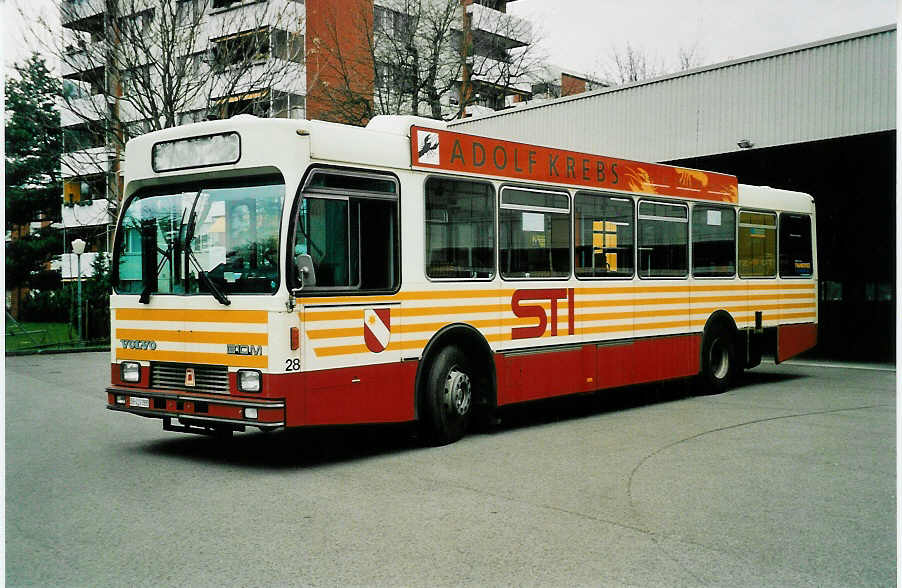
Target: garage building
{"type": "Point", "coordinates": [817, 118]}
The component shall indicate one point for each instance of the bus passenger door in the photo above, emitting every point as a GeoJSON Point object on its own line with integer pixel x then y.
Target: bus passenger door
{"type": "Point", "coordinates": [352, 360]}
{"type": "Point", "coordinates": [347, 229]}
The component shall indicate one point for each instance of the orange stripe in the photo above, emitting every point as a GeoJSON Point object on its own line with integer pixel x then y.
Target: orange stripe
{"type": "Point", "coordinates": [507, 292]}
{"type": "Point", "coordinates": [496, 337]}
{"type": "Point", "coordinates": [194, 336]}
{"type": "Point", "coordinates": [336, 315]}
{"type": "Point", "coordinates": [257, 361]}
{"type": "Point", "coordinates": [197, 316]}
{"type": "Point", "coordinates": [409, 296]}
{"type": "Point", "coordinates": [332, 315]}
{"type": "Point", "coordinates": [318, 334]}
{"type": "Point", "coordinates": [340, 315]}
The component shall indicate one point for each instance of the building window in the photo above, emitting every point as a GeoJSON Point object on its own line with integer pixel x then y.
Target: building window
{"type": "Point", "coordinates": [391, 76]}
{"type": "Point", "coordinates": [603, 229]}
{"type": "Point", "coordinates": [84, 189]}
{"type": "Point", "coordinates": [192, 116]}
{"type": "Point", "coordinates": [757, 244]}
{"type": "Point", "coordinates": [241, 48]}
{"type": "Point", "coordinates": [256, 103]}
{"type": "Point", "coordinates": [391, 23]}
{"type": "Point", "coordinates": [549, 89]}
{"type": "Point", "coordinates": [137, 128]}
{"type": "Point", "coordinates": [288, 105]}
{"type": "Point", "coordinates": [795, 246]}
{"type": "Point", "coordinates": [713, 241]}
{"type": "Point", "coordinates": [663, 240]}
{"type": "Point", "coordinates": [82, 136]}
{"type": "Point", "coordinates": [288, 46]}
{"type": "Point", "coordinates": [460, 229]}
{"type": "Point", "coordinates": [535, 233]}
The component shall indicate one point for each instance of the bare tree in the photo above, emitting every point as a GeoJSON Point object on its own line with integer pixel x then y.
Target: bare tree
{"type": "Point", "coordinates": [628, 64]}
{"type": "Point", "coordinates": [133, 66]}
{"type": "Point", "coordinates": [689, 57]}
{"type": "Point", "coordinates": [424, 57]}
{"type": "Point", "coordinates": [340, 65]}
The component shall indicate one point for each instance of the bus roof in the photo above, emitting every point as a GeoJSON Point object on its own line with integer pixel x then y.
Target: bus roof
{"type": "Point", "coordinates": [409, 142]}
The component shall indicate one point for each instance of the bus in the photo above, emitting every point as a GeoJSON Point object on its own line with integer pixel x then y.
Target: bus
{"type": "Point", "coordinates": [278, 273]}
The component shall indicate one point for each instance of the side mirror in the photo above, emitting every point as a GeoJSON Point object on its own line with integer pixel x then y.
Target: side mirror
{"type": "Point", "coordinates": [303, 265]}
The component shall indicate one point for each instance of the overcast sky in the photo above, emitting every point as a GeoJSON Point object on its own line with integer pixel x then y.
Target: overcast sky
{"type": "Point", "coordinates": [579, 34]}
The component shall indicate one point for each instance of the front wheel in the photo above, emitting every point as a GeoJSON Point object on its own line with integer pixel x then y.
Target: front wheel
{"type": "Point", "coordinates": [448, 397]}
{"type": "Point", "coordinates": [719, 365]}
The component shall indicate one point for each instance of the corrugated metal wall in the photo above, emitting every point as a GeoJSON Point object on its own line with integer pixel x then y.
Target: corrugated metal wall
{"type": "Point", "coordinates": [839, 87]}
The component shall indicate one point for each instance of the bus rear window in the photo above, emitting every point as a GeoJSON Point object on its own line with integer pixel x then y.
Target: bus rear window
{"type": "Point", "coordinates": [795, 246]}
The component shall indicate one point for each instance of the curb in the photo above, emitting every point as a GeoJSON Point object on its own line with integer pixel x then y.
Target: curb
{"type": "Point", "coordinates": [90, 348]}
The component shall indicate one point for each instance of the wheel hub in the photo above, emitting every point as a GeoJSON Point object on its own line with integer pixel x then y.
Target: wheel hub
{"type": "Point", "coordinates": [720, 360]}
{"type": "Point", "coordinates": [457, 391]}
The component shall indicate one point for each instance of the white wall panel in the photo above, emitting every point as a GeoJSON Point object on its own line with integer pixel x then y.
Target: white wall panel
{"type": "Point", "coordinates": [838, 87]}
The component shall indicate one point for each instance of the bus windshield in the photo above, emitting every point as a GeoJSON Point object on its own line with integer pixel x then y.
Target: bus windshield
{"type": "Point", "coordinates": [214, 239]}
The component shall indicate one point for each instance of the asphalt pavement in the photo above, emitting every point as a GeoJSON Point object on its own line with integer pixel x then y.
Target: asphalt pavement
{"type": "Point", "coordinates": [786, 480]}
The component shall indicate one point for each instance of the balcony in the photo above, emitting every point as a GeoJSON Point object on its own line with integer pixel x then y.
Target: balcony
{"type": "Point", "coordinates": [82, 15]}
{"type": "Point", "coordinates": [492, 72]}
{"type": "Point", "coordinates": [292, 78]}
{"type": "Point", "coordinates": [86, 162]}
{"type": "Point", "coordinates": [68, 264]}
{"type": "Point", "coordinates": [243, 15]}
{"type": "Point", "coordinates": [79, 110]}
{"type": "Point", "coordinates": [89, 213]}
{"type": "Point", "coordinates": [79, 59]}
{"type": "Point", "coordinates": [498, 28]}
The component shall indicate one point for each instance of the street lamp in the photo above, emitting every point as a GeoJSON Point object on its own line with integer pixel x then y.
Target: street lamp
{"type": "Point", "coordinates": [78, 247]}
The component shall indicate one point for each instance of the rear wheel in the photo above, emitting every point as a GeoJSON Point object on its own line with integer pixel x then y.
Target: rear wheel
{"type": "Point", "coordinates": [448, 397]}
{"type": "Point", "coordinates": [719, 365]}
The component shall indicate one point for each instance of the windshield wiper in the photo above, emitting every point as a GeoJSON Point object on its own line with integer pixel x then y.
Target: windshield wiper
{"type": "Point", "coordinates": [214, 289]}
{"type": "Point", "coordinates": [151, 280]}
{"type": "Point", "coordinates": [189, 234]}
{"type": "Point", "coordinates": [148, 287]}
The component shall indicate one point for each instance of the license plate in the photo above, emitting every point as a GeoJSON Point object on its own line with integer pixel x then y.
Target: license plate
{"type": "Point", "coordinates": [139, 402]}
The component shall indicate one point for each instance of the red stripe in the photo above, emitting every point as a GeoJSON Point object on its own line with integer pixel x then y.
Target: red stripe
{"type": "Point", "coordinates": [595, 367]}
{"type": "Point", "coordinates": [794, 339]}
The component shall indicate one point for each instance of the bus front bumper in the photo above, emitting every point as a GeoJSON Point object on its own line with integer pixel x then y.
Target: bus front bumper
{"type": "Point", "coordinates": [198, 412]}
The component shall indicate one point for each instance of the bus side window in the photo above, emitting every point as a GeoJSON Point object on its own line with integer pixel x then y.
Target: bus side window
{"type": "Point", "coordinates": [663, 240]}
{"type": "Point", "coordinates": [322, 232]}
{"type": "Point", "coordinates": [757, 244]}
{"type": "Point", "coordinates": [348, 224]}
{"type": "Point", "coordinates": [460, 229]}
{"type": "Point", "coordinates": [603, 241]}
{"type": "Point", "coordinates": [713, 241]}
{"type": "Point", "coordinates": [795, 246]}
{"type": "Point", "coordinates": [535, 233]}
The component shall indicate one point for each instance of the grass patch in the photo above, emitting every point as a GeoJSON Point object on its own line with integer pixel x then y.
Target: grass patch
{"type": "Point", "coordinates": [40, 336]}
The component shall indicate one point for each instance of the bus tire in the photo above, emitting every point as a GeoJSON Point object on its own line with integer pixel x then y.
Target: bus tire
{"type": "Point", "coordinates": [448, 398]}
{"type": "Point", "coordinates": [718, 363]}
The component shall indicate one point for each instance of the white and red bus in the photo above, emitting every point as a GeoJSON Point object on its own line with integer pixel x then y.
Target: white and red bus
{"type": "Point", "coordinates": [282, 273]}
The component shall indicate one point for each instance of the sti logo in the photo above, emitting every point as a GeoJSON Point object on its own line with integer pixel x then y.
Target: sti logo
{"type": "Point", "coordinates": [536, 310]}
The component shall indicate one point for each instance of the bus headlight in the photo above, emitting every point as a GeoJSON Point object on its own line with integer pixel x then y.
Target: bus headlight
{"type": "Point", "coordinates": [130, 371]}
{"type": "Point", "coordinates": [249, 381]}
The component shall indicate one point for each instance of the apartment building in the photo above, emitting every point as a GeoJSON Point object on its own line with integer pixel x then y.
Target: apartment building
{"type": "Point", "coordinates": [131, 66]}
